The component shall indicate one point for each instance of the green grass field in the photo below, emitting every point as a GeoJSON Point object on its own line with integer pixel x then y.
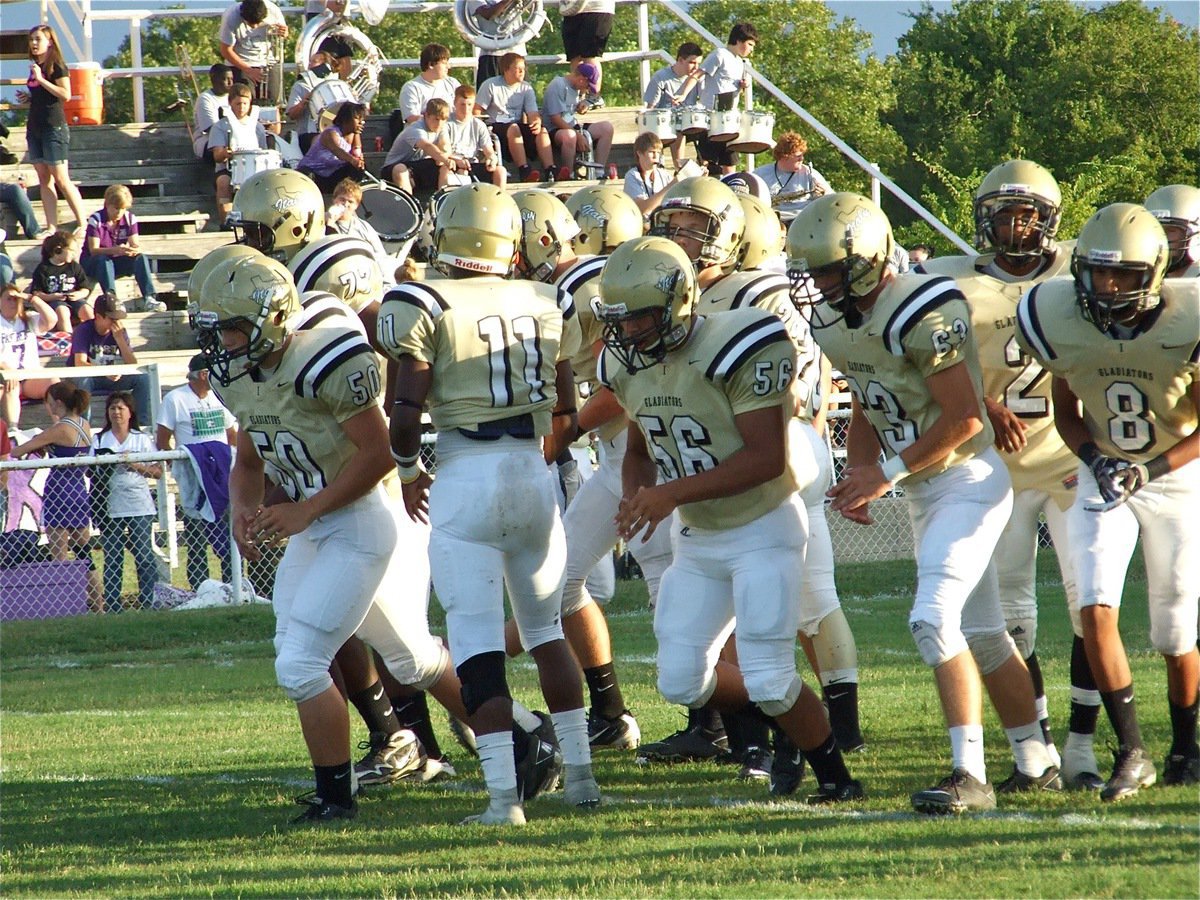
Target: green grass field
{"type": "Point", "coordinates": [151, 755]}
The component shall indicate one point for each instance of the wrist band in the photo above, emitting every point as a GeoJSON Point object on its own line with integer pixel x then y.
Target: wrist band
{"type": "Point", "coordinates": [1157, 467]}
{"type": "Point", "coordinates": [409, 471]}
{"type": "Point", "coordinates": [894, 469]}
{"type": "Point", "coordinates": [569, 411]}
{"type": "Point", "coordinates": [1088, 453]}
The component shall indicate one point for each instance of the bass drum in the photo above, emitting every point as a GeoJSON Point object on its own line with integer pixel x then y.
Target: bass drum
{"type": "Point", "coordinates": [724, 125]}
{"type": "Point", "coordinates": [395, 216]}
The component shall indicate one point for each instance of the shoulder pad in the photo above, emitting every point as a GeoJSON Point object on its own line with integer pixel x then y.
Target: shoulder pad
{"type": "Point", "coordinates": [930, 293]}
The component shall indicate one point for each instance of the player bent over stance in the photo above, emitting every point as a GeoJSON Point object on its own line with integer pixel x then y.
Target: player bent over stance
{"type": "Point", "coordinates": [906, 345]}
{"type": "Point", "coordinates": [708, 401]}
{"type": "Point", "coordinates": [1122, 345]}
{"type": "Point", "coordinates": [492, 359]}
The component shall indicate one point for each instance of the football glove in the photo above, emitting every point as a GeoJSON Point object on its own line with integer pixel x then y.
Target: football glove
{"type": "Point", "coordinates": [1105, 469]}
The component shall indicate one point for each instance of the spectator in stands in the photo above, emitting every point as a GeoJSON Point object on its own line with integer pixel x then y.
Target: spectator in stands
{"type": "Point", "coordinates": [471, 142]}
{"type": "Point", "coordinates": [488, 64]}
{"type": "Point", "coordinates": [585, 33]}
{"type": "Point", "coordinates": [210, 106]}
{"type": "Point", "coordinates": [111, 249]}
{"type": "Point", "coordinates": [333, 61]}
{"type": "Point", "coordinates": [433, 82]}
{"type": "Point", "coordinates": [66, 509]}
{"type": "Point", "coordinates": [726, 74]}
{"type": "Point", "coordinates": [665, 85]}
{"type": "Point", "coordinates": [918, 253]}
{"type": "Point", "coordinates": [424, 147]}
{"type": "Point", "coordinates": [14, 196]}
{"type": "Point", "coordinates": [248, 33]}
{"type": "Point", "coordinates": [342, 218]}
{"type": "Point", "coordinates": [130, 510]}
{"type": "Point", "coordinates": [22, 318]}
{"type": "Point", "coordinates": [47, 134]}
{"type": "Point", "coordinates": [239, 130]}
{"type": "Point", "coordinates": [103, 341]}
{"type": "Point", "coordinates": [647, 180]}
{"type": "Point", "coordinates": [565, 98]}
{"type": "Point", "coordinates": [338, 152]}
{"type": "Point", "coordinates": [190, 416]}
{"type": "Point", "coordinates": [60, 281]}
{"type": "Point", "coordinates": [314, 8]}
{"type": "Point", "coordinates": [510, 104]}
{"type": "Point", "coordinates": [793, 183]}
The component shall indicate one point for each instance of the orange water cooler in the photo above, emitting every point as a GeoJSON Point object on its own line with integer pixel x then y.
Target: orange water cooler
{"type": "Point", "coordinates": [86, 106]}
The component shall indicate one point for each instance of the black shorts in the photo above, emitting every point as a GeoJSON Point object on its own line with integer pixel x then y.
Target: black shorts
{"type": "Point", "coordinates": [386, 172]}
{"type": "Point", "coordinates": [501, 131]}
{"type": "Point", "coordinates": [424, 173]}
{"type": "Point", "coordinates": [586, 35]}
{"type": "Point", "coordinates": [715, 151]}
{"type": "Point", "coordinates": [487, 67]}
{"type": "Point", "coordinates": [73, 305]}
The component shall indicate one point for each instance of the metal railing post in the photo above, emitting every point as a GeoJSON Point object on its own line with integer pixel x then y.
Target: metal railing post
{"type": "Point", "coordinates": [135, 47]}
{"type": "Point", "coordinates": [643, 24]}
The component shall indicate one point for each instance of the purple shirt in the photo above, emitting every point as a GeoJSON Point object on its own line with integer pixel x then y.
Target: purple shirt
{"type": "Point", "coordinates": [110, 235]}
{"type": "Point", "coordinates": [101, 349]}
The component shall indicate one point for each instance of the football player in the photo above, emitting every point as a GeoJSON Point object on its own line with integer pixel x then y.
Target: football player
{"type": "Point", "coordinates": [1177, 208]}
{"type": "Point", "coordinates": [1122, 346]}
{"type": "Point", "coordinates": [709, 399]}
{"type": "Point", "coordinates": [907, 347]}
{"type": "Point", "coordinates": [607, 217]}
{"type": "Point", "coordinates": [278, 212]}
{"type": "Point", "coordinates": [308, 417]}
{"type": "Point", "coordinates": [492, 360]}
{"type": "Point", "coordinates": [1017, 210]}
{"type": "Point", "coordinates": [700, 215]}
{"type": "Point", "coordinates": [548, 255]}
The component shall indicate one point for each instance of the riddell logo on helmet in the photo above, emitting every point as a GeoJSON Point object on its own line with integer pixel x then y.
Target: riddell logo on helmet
{"type": "Point", "coordinates": [1015, 189]}
{"type": "Point", "coordinates": [472, 265]}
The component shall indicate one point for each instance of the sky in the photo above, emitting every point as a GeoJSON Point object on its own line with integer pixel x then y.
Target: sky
{"type": "Point", "coordinates": [887, 20]}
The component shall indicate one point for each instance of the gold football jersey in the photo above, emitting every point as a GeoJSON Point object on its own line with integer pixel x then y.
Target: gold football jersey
{"type": "Point", "coordinates": [1011, 377]}
{"type": "Point", "coordinates": [1135, 393]}
{"type": "Point", "coordinates": [771, 291]}
{"type": "Point", "coordinates": [492, 343]}
{"type": "Point", "coordinates": [341, 265]}
{"type": "Point", "coordinates": [734, 362]}
{"type": "Point", "coordinates": [919, 326]}
{"type": "Point", "coordinates": [294, 414]}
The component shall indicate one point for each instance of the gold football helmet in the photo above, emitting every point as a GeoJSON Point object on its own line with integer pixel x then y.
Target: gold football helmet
{"type": "Point", "coordinates": [546, 227]}
{"type": "Point", "coordinates": [844, 234]}
{"type": "Point", "coordinates": [720, 238]}
{"type": "Point", "coordinates": [1121, 238]}
{"type": "Point", "coordinates": [477, 231]}
{"type": "Point", "coordinates": [763, 238]}
{"type": "Point", "coordinates": [210, 261]}
{"type": "Point", "coordinates": [1177, 208]}
{"type": "Point", "coordinates": [606, 216]}
{"type": "Point", "coordinates": [1017, 183]}
{"type": "Point", "coordinates": [255, 296]}
{"type": "Point", "coordinates": [647, 301]}
{"type": "Point", "coordinates": [342, 265]}
{"type": "Point", "coordinates": [278, 212]}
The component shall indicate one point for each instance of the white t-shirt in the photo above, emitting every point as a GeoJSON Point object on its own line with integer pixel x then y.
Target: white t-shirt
{"type": "Point", "coordinates": [643, 187]}
{"type": "Point", "coordinates": [205, 115]}
{"type": "Point", "coordinates": [417, 92]}
{"type": "Point", "coordinates": [237, 134]}
{"type": "Point", "coordinates": [18, 344]}
{"type": "Point", "coordinates": [252, 44]}
{"type": "Point", "coordinates": [806, 181]}
{"type": "Point", "coordinates": [470, 139]}
{"type": "Point", "coordinates": [194, 419]}
{"type": "Point", "coordinates": [504, 102]}
{"type": "Point", "coordinates": [664, 85]}
{"type": "Point", "coordinates": [560, 99]}
{"type": "Point", "coordinates": [128, 492]}
{"type": "Point", "coordinates": [724, 70]}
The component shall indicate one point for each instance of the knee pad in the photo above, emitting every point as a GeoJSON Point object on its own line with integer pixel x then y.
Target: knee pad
{"type": "Point", "coordinates": [834, 644]}
{"type": "Point", "coordinates": [1173, 631]}
{"type": "Point", "coordinates": [775, 708]}
{"type": "Point", "coordinates": [691, 689]}
{"type": "Point", "coordinates": [301, 679]}
{"type": "Point", "coordinates": [483, 679]}
{"type": "Point", "coordinates": [431, 667]}
{"type": "Point", "coordinates": [575, 598]}
{"type": "Point", "coordinates": [935, 643]}
{"type": "Point", "coordinates": [1023, 631]}
{"type": "Point", "coordinates": [992, 650]}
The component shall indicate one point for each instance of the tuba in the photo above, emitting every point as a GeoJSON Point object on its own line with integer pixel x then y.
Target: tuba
{"type": "Point", "coordinates": [364, 77]}
{"type": "Point", "coordinates": [520, 21]}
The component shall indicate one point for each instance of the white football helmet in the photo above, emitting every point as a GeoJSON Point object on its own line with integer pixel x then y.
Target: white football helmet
{"type": "Point", "coordinates": [546, 228]}
{"type": "Point", "coordinates": [1177, 208]}
{"type": "Point", "coordinates": [1124, 237]}
{"type": "Point", "coordinates": [1018, 182]}
{"type": "Point", "coordinates": [477, 231]}
{"type": "Point", "coordinates": [278, 212]}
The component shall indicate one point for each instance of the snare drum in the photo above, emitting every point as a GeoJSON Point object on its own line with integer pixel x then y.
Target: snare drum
{"type": "Point", "coordinates": [658, 122]}
{"type": "Point", "coordinates": [244, 163]}
{"type": "Point", "coordinates": [691, 120]}
{"type": "Point", "coordinates": [331, 92]}
{"type": "Point", "coordinates": [395, 215]}
{"type": "Point", "coordinates": [755, 136]}
{"type": "Point", "coordinates": [724, 125]}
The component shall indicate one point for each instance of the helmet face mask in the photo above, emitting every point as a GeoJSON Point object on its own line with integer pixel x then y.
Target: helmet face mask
{"type": "Point", "coordinates": [1017, 210]}
{"type": "Point", "coordinates": [252, 297]}
{"type": "Point", "coordinates": [1118, 265]}
{"type": "Point", "coordinates": [646, 302]}
{"type": "Point", "coordinates": [718, 223]}
{"type": "Point", "coordinates": [1177, 208]}
{"type": "Point", "coordinates": [838, 250]}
